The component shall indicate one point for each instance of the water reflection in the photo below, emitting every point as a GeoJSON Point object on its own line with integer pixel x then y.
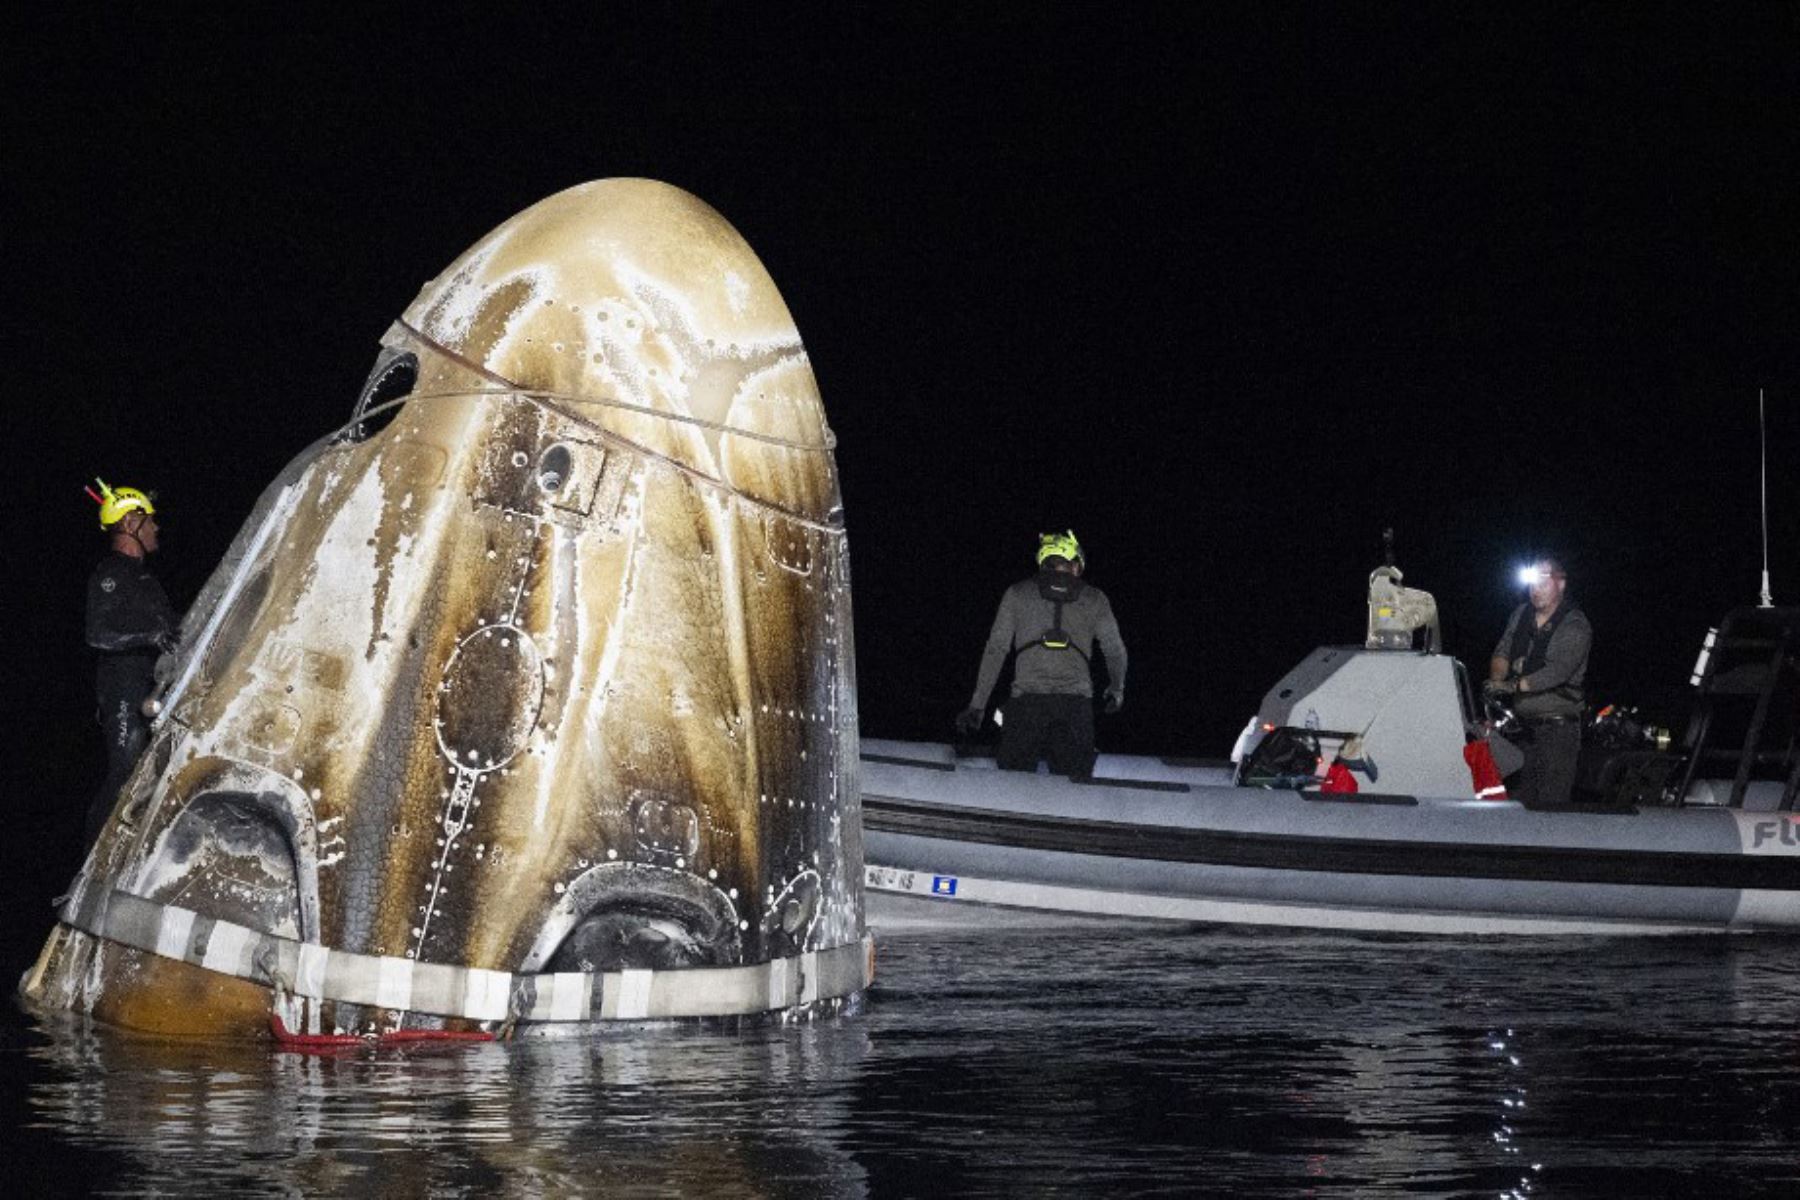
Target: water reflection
{"type": "Point", "coordinates": [1231, 1062]}
{"type": "Point", "coordinates": [668, 1109]}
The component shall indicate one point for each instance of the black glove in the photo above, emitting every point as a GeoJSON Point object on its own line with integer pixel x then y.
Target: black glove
{"type": "Point", "coordinates": [1113, 701]}
{"type": "Point", "coordinates": [166, 643]}
{"type": "Point", "coordinates": [968, 721]}
{"type": "Point", "coordinates": [1500, 687]}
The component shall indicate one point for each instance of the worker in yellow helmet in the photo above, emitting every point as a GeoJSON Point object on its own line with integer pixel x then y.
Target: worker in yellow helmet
{"type": "Point", "coordinates": [129, 623]}
{"type": "Point", "coordinates": [1052, 622]}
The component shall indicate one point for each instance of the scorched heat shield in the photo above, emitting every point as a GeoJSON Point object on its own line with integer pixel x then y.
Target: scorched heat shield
{"type": "Point", "coordinates": [526, 699]}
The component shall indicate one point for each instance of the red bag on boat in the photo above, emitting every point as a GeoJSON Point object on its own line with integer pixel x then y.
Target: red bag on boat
{"type": "Point", "coordinates": [1338, 779]}
{"type": "Point", "coordinates": [1488, 784]}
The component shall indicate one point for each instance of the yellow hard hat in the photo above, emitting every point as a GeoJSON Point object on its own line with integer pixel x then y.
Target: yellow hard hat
{"type": "Point", "coordinates": [1059, 545]}
{"type": "Point", "coordinates": [116, 502]}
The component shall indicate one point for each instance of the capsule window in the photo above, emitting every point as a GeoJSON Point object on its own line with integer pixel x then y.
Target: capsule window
{"type": "Point", "coordinates": [553, 469]}
{"type": "Point", "coordinates": [392, 380]}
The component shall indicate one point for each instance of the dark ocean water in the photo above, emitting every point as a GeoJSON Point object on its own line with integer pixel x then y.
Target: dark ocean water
{"type": "Point", "coordinates": [1173, 1061]}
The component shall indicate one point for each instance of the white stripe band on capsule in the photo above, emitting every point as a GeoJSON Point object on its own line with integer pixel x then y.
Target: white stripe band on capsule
{"type": "Point", "coordinates": [473, 993]}
{"type": "Point", "coordinates": [172, 933]}
{"type": "Point", "coordinates": [634, 994]}
{"type": "Point", "coordinates": [309, 975]}
{"type": "Point", "coordinates": [225, 947]}
{"type": "Point", "coordinates": [393, 982]}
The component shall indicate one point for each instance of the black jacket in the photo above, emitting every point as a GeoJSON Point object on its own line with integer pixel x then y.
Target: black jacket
{"type": "Point", "coordinates": [128, 620]}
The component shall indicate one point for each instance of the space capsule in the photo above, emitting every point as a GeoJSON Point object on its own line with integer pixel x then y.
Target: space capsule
{"type": "Point", "coordinates": [524, 701]}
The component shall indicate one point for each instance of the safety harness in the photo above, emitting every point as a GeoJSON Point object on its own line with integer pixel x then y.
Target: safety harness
{"type": "Point", "coordinates": [1059, 588]}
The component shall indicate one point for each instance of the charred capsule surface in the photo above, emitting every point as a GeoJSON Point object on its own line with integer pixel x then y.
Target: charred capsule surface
{"type": "Point", "coordinates": [529, 697]}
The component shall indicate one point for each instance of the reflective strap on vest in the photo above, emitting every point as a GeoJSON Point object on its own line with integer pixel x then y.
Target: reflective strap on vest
{"type": "Point", "coordinates": [1049, 638]}
{"type": "Point", "coordinates": [443, 990]}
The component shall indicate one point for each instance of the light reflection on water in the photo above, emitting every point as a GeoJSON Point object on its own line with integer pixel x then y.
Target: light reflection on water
{"type": "Point", "coordinates": [1228, 1061]}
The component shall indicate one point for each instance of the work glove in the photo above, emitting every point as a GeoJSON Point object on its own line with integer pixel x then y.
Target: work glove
{"type": "Point", "coordinates": [968, 721]}
{"type": "Point", "coordinates": [1499, 687]}
{"type": "Point", "coordinates": [1113, 701]}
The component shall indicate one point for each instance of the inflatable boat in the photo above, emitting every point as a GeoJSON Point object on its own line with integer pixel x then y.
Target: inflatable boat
{"type": "Point", "coordinates": [1662, 839]}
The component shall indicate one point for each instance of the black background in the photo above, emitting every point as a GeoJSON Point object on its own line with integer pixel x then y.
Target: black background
{"type": "Point", "coordinates": [1226, 291]}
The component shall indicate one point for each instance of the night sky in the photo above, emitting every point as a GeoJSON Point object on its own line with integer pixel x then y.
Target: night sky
{"type": "Point", "coordinates": [1227, 292]}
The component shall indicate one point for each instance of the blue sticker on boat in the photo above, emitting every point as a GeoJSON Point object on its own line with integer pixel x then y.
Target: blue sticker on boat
{"type": "Point", "coordinates": [943, 885]}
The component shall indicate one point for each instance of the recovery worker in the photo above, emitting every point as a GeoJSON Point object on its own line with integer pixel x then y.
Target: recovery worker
{"type": "Point", "coordinates": [129, 622]}
{"type": "Point", "coordinates": [1053, 621]}
{"type": "Point", "coordinates": [1540, 663]}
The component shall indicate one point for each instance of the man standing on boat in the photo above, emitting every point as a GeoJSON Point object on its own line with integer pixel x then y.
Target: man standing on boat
{"type": "Point", "coordinates": [1540, 663]}
{"type": "Point", "coordinates": [129, 622]}
{"type": "Point", "coordinates": [1053, 621]}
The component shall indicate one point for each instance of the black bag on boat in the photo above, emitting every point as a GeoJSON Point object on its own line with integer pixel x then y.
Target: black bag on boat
{"type": "Point", "coordinates": [1285, 758]}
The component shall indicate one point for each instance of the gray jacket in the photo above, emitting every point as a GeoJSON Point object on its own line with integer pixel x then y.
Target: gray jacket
{"type": "Point", "coordinates": [1554, 689]}
{"type": "Point", "coordinates": [1024, 617]}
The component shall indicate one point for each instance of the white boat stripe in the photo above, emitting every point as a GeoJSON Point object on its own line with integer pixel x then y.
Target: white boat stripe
{"type": "Point", "coordinates": [1050, 901]}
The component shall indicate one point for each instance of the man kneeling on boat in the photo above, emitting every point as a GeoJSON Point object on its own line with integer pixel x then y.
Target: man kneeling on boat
{"type": "Point", "coordinates": [1053, 621]}
{"type": "Point", "coordinates": [1540, 663]}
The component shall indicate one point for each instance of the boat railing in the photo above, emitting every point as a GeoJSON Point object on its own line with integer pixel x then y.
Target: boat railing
{"type": "Point", "coordinates": [1746, 712]}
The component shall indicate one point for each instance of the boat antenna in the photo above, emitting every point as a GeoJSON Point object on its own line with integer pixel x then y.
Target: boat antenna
{"type": "Point", "coordinates": [1762, 425]}
{"type": "Point", "coordinates": [1387, 545]}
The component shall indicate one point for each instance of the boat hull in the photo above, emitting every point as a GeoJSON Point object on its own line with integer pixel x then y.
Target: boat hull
{"type": "Point", "coordinates": [949, 840]}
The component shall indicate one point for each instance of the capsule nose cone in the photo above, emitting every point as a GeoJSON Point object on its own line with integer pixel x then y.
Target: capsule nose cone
{"type": "Point", "coordinates": [638, 306]}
